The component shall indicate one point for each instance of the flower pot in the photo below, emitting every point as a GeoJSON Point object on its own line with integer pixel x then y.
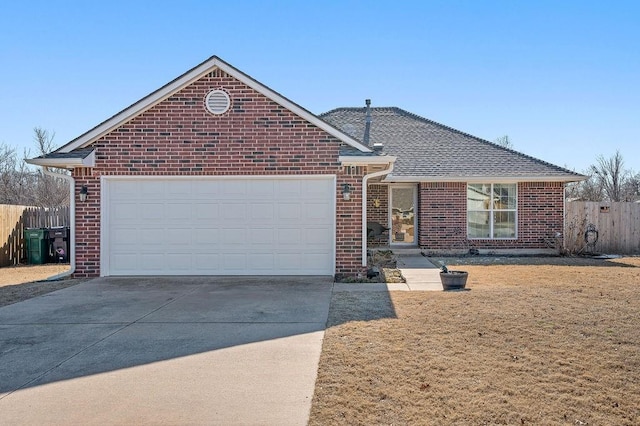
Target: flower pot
{"type": "Point", "coordinates": [453, 280]}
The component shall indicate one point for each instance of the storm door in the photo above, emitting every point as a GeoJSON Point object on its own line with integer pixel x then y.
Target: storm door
{"type": "Point", "coordinates": [402, 206]}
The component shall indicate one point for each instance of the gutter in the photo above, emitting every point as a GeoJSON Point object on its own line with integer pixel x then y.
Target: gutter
{"type": "Point", "coordinates": [365, 178]}
{"type": "Point", "coordinates": [488, 178]}
{"type": "Point", "coordinates": [72, 225]}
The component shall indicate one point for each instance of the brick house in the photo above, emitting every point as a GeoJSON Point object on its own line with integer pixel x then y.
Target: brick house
{"type": "Point", "coordinates": [216, 174]}
{"type": "Point", "coordinates": [450, 191]}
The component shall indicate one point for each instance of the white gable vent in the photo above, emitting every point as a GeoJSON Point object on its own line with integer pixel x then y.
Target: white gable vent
{"type": "Point", "coordinates": [217, 102]}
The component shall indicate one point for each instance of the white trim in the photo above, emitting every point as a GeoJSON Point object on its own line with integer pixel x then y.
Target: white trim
{"type": "Point", "coordinates": [491, 212]}
{"type": "Point", "coordinates": [217, 92]}
{"type": "Point", "coordinates": [72, 223]}
{"type": "Point", "coordinates": [104, 199]}
{"type": "Point", "coordinates": [186, 79]}
{"type": "Point", "coordinates": [415, 188]}
{"type": "Point", "coordinates": [104, 221]}
{"type": "Point", "coordinates": [483, 179]}
{"type": "Point", "coordinates": [365, 180]}
{"type": "Point", "coordinates": [348, 160]}
{"type": "Point", "coordinates": [216, 177]}
{"type": "Point", "coordinates": [64, 163]}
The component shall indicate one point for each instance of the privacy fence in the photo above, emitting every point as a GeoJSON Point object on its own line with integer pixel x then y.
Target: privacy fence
{"type": "Point", "coordinates": [15, 219]}
{"type": "Point", "coordinates": [615, 227]}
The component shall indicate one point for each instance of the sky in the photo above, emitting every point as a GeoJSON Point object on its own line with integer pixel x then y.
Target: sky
{"type": "Point", "coordinates": [560, 78]}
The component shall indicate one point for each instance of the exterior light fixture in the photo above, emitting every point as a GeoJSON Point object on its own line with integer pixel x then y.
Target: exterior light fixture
{"type": "Point", "coordinates": [346, 191]}
{"type": "Point", "coordinates": [84, 192]}
{"type": "Point", "coordinates": [376, 202]}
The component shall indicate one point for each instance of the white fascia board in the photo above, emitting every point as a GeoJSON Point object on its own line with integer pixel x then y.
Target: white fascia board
{"type": "Point", "coordinates": [176, 85]}
{"type": "Point", "coordinates": [484, 179]}
{"type": "Point", "coordinates": [354, 160]}
{"type": "Point", "coordinates": [216, 177]}
{"type": "Point", "coordinates": [139, 107]}
{"type": "Point", "coordinates": [64, 163]}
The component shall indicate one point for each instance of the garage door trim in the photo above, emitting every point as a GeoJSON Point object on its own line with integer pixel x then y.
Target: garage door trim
{"type": "Point", "coordinates": [105, 267]}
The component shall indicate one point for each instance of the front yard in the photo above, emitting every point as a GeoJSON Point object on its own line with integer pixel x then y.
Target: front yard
{"type": "Point", "coordinates": [23, 282]}
{"type": "Point", "coordinates": [529, 344]}
{"type": "Point", "coordinates": [535, 341]}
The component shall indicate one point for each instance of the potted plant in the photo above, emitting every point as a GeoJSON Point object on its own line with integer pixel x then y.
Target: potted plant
{"type": "Point", "coordinates": [452, 280]}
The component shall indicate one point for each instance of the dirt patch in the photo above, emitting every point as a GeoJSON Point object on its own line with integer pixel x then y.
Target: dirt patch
{"type": "Point", "coordinates": [23, 282]}
{"type": "Point", "coordinates": [529, 344]}
{"type": "Point", "coordinates": [382, 268]}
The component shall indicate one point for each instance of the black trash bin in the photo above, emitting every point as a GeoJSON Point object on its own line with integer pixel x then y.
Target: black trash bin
{"type": "Point", "coordinates": [59, 244]}
{"type": "Point", "coordinates": [37, 242]}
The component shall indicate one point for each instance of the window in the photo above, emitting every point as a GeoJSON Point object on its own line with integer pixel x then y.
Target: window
{"type": "Point", "coordinates": [492, 210]}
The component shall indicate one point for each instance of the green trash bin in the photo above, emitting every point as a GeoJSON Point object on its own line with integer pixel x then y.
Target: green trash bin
{"type": "Point", "coordinates": [37, 240]}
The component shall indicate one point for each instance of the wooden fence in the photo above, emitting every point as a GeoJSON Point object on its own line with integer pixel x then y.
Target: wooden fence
{"type": "Point", "coordinates": [15, 219]}
{"type": "Point", "coordinates": [617, 226]}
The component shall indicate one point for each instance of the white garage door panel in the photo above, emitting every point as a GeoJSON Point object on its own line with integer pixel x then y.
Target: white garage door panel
{"type": "Point", "coordinates": [213, 226]}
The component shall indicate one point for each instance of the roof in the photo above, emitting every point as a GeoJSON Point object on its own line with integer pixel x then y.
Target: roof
{"type": "Point", "coordinates": [429, 151]}
{"type": "Point", "coordinates": [84, 157]}
{"type": "Point", "coordinates": [186, 79]}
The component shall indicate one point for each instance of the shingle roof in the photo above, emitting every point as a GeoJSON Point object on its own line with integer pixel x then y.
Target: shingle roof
{"type": "Point", "coordinates": [78, 153]}
{"type": "Point", "coordinates": [431, 150]}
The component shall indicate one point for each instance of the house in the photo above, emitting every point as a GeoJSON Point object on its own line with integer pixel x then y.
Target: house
{"type": "Point", "coordinates": [460, 191]}
{"type": "Point", "coordinates": [217, 174]}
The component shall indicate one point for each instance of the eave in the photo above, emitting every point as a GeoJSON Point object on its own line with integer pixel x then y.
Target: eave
{"type": "Point", "coordinates": [356, 160]}
{"type": "Point", "coordinates": [485, 179]}
{"type": "Point", "coordinates": [188, 78]}
{"type": "Point", "coordinates": [64, 162]}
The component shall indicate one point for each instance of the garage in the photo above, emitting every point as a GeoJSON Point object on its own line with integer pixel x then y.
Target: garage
{"type": "Point", "coordinates": [255, 225]}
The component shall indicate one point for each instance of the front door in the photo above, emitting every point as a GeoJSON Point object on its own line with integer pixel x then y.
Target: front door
{"type": "Point", "coordinates": [402, 212]}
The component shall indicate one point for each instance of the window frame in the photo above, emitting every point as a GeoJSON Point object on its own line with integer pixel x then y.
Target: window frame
{"type": "Point", "coordinates": [492, 211]}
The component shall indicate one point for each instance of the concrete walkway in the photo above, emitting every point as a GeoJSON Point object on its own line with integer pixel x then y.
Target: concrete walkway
{"type": "Point", "coordinates": [163, 350]}
{"type": "Point", "coordinates": [420, 274]}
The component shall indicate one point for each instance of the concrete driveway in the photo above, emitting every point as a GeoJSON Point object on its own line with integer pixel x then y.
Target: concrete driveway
{"type": "Point", "coordinates": [164, 350]}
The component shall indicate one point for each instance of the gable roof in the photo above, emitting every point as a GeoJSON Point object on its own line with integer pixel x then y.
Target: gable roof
{"type": "Point", "coordinates": [429, 151]}
{"type": "Point", "coordinates": [186, 79]}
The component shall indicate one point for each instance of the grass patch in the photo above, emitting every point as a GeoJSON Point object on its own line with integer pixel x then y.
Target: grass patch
{"type": "Point", "coordinates": [530, 344]}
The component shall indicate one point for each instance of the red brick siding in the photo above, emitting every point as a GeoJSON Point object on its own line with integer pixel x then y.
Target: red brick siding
{"type": "Point", "coordinates": [378, 214]}
{"type": "Point", "coordinates": [443, 216]}
{"type": "Point", "coordinates": [178, 137]}
{"type": "Point", "coordinates": [349, 223]}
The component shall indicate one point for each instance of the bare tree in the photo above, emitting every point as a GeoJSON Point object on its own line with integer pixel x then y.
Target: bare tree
{"type": "Point", "coordinates": [631, 187]}
{"type": "Point", "coordinates": [611, 175]}
{"type": "Point", "coordinates": [51, 191]}
{"type": "Point", "coordinates": [17, 182]}
{"type": "Point", "coordinates": [586, 190]}
{"type": "Point", "coordinates": [504, 141]}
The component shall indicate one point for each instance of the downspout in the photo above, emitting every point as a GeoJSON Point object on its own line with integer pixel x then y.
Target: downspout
{"type": "Point", "coordinates": [365, 178]}
{"type": "Point", "coordinates": [72, 225]}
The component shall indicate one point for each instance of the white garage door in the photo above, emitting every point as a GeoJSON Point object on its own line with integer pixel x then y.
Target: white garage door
{"type": "Point", "coordinates": [218, 226]}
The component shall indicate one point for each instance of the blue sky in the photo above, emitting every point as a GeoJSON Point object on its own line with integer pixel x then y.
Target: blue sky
{"type": "Point", "coordinates": [560, 78]}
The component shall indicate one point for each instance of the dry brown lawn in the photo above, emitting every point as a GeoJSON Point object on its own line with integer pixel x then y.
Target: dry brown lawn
{"type": "Point", "coordinates": [23, 282]}
{"type": "Point", "coordinates": [550, 343]}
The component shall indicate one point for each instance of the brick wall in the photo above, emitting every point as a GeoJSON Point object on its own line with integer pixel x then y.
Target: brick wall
{"type": "Point", "coordinates": [349, 222]}
{"type": "Point", "coordinates": [378, 214]}
{"type": "Point", "coordinates": [443, 218]}
{"type": "Point", "coordinates": [255, 137]}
